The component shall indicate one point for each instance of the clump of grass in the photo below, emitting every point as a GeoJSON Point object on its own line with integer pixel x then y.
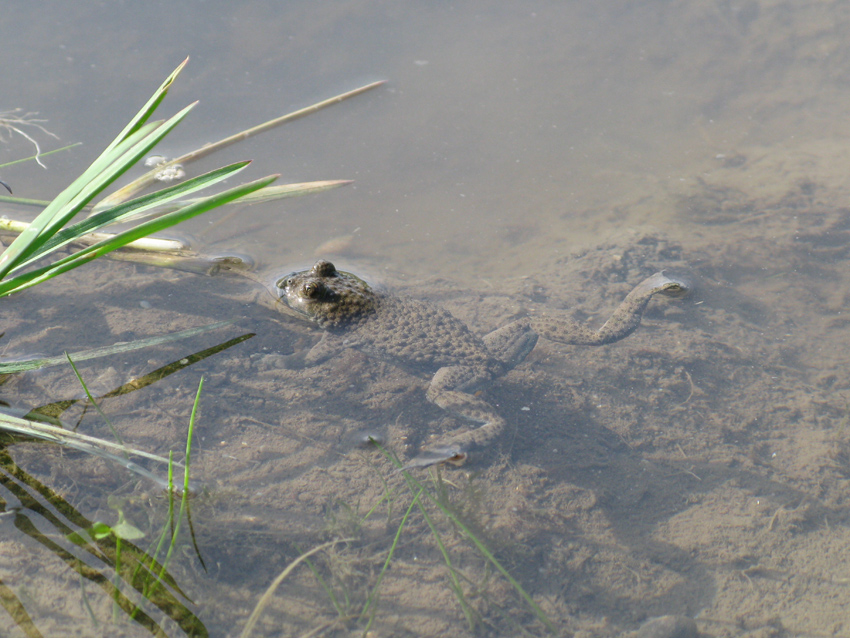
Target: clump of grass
{"type": "Point", "coordinates": [480, 546]}
{"type": "Point", "coordinates": [52, 230]}
{"type": "Point", "coordinates": [32, 259]}
{"type": "Point", "coordinates": [43, 422]}
{"type": "Point", "coordinates": [355, 592]}
{"type": "Point", "coordinates": [143, 572]}
{"type": "Point", "coordinates": [171, 528]}
{"type": "Point", "coordinates": [439, 499]}
{"type": "Point", "coordinates": [103, 555]}
{"type": "Point", "coordinates": [22, 264]}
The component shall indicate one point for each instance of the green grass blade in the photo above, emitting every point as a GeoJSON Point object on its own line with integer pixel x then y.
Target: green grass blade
{"type": "Point", "coordinates": [192, 418]}
{"type": "Point", "coordinates": [472, 617]}
{"type": "Point", "coordinates": [74, 233]}
{"type": "Point", "coordinates": [169, 518]}
{"type": "Point", "coordinates": [127, 158]}
{"type": "Point", "coordinates": [52, 411]}
{"type": "Point", "coordinates": [482, 548]}
{"type": "Point", "coordinates": [132, 128]}
{"type": "Point", "coordinates": [175, 217]}
{"type": "Point", "coordinates": [92, 400]}
{"type": "Point", "coordinates": [148, 109]}
{"type": "Point", "coordinates": [19, 249]}
{"type": "Point", "coordinates": [35, 277]}
{"type": "Point", "coordinates": [39, 275]}
{"type": "Point", "coordinates": [149, 244]}
{"type": "Point", "coordinates": [96, 353]}
{"type": "Point", "coordinates": [135, 208]}
{"type": "Point", "coordinates": [329, 592]}
{"type": "Point", "coordinates": [184, 499]}
{"type": "Point", "coordinates": [373, 595]}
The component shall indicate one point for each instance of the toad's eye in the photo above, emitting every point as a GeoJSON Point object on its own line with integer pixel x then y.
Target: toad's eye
{"type": "Point", "coordinates": [312, 290]}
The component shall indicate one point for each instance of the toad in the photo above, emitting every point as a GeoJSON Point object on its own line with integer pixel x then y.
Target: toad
{"type": "Point", "coordinates": [427, 339]}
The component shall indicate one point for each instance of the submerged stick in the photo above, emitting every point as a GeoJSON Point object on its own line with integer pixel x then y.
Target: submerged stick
{"type": "Point", "coordinates": [260, 128]}
{"type": "Point", "coordinates": [146, 243]}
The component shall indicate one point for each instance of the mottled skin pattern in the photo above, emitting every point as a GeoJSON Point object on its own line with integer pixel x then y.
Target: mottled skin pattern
{"type": "Point", "coordinates": [427, 339]}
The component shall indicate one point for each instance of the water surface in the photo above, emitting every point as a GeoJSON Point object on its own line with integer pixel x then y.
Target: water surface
{"type": "Point", "coordinates": [521, 156]}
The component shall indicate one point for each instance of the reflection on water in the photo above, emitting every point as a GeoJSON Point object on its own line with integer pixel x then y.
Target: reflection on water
{"type": "Point", "coordinates": [521, 158]}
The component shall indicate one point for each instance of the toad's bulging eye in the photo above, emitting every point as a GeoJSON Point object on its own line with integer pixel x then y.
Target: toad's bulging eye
{"type": "Point", "coordinates": [311, 290]}
{"type": "Point", "coordinates": [324, 268]}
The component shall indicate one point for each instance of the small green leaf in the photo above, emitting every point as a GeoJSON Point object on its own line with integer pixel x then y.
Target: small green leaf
{"type": "Point", "coordinates": [100, 530]}
{"type": "Point", "coordinates": [127, 531]}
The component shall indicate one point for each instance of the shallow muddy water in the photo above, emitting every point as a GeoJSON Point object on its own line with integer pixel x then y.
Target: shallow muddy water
{"type": "Point", "coordinates": [521, 157]}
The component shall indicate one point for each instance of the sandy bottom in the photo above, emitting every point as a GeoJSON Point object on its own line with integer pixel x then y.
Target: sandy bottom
{"type": "Point", "coordinates": [699, 468]}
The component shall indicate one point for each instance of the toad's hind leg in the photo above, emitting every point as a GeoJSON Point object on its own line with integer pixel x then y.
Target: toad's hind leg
{"type": "Point", "coordinates": [442, 392]}
{"type": "Point", "coordinates": [623, 322]}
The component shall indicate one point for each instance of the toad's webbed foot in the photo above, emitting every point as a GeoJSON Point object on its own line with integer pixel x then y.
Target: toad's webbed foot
{"type": "Point", "coordinates": [436, 455]}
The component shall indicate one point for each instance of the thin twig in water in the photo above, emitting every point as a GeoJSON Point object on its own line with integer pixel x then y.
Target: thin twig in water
{"type": "Point", "coordinates": [12, 122]}
{"type": "Point", "coordinates": [264, 599]}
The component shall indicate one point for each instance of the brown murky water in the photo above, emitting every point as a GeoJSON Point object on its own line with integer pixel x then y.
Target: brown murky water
{"type": "Point", "coordinates": [520, 157]}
